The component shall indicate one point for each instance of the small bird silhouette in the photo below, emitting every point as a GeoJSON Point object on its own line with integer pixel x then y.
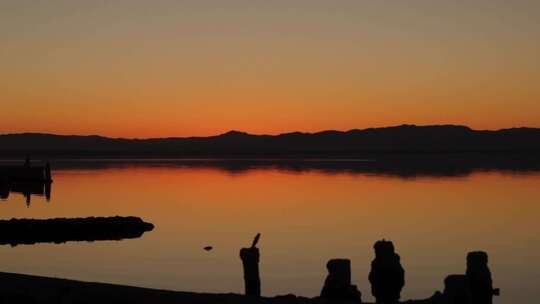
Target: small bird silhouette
{"type": "Point", "coordinates": [208, 248]}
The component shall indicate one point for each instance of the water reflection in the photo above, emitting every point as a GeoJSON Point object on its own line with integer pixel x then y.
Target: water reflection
{"type": "Point", "coordinates": [28, 189]}
{"type": "Point", "coordinates": [308, 212]}
{"type": "Point", "coordinates": [403, 167]}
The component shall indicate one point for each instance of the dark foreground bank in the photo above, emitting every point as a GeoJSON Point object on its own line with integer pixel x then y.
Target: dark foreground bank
{"type": "Point", "coordinates": [387, 278]}
{"type": "Point", "coordinates": [19, 288]}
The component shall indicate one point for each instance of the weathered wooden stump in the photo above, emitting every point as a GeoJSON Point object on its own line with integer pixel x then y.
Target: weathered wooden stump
{"type": "Point", "coordinates": [479, 277]}
{"type": "Point", "coordinates": [338, 282]}
{"type": "Point", "coordinates": [250, 261]}
{"type": "Point", "coordinates": [387, 277]}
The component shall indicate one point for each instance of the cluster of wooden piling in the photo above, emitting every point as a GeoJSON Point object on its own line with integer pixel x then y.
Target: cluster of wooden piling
{"type": "Point", "coordinates": [26, 173]}
{"type": "Point", "coordinates": [26, 179]}
{"type": "Point", "coordinates": [387, 278]}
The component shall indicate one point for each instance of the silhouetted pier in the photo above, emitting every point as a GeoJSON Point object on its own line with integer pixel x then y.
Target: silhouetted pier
{"type": "Point", "coordinates": [26, 173]}
{"type": "Point", "coordinates": [28, 189]}
{"type": "Point", "coordinates": [26, 179]}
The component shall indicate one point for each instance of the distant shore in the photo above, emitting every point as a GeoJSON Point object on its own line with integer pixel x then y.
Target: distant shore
{"type": "Point", "coordinates": [390, 141]}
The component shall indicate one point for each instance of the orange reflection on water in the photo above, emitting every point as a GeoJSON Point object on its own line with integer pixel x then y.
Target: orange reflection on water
{"type": "Point", "coordinates": [305, 218]}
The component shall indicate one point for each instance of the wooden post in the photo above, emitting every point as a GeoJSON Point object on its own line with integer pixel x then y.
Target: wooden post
{"type": "Point", "coordinates": [48, 176]}
{"type": "Point", "coordinates": [250, 262]}
{"type": "Point", "coordinates": [48, 191]}
{"type": "Point", "coordinates": [28, 196]}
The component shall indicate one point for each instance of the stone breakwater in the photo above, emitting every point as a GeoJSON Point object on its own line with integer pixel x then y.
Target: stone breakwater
{"type": "Point", "coordinates": [60, 230]}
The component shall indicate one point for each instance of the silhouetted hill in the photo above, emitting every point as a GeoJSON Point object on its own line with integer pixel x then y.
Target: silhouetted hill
{"type": "Point", "coordinates": [405, 139]}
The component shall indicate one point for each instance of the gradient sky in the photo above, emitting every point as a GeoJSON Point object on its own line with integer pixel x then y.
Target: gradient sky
{"type": "Point", "coordinates": [135, 68]}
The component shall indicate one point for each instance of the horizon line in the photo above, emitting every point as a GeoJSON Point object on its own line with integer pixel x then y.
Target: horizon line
{"type": "Point", "coordinates": [232, 131]}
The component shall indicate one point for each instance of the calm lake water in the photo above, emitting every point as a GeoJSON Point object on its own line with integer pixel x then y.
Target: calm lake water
{"type": "Point", "coordinates": [306, 217]}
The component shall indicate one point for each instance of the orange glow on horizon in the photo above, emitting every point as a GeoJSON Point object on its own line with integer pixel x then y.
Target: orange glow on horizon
{"type": "Point", "coordinates": [192, 68]}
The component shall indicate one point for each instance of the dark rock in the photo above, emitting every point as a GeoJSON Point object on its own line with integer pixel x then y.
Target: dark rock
{"type": "Point", "coordinates": [479, 277]}
{"type": "Point", "coordinates": [436, 298]}
{"type": "Point", "coordinates": [387, 277]}
{"type": "Point", "coordinates": [457, 290]}
{"type": "Point", "coordinates": [338, 282]}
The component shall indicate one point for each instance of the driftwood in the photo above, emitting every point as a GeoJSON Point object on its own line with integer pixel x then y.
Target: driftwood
{"type": "Point", "coordinates": [30, 231]}
{"type": "Point", "coordinates": [250, 262]}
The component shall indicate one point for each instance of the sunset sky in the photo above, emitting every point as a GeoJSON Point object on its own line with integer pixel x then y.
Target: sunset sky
{"type": "Point", "coordinates": [133, 68]}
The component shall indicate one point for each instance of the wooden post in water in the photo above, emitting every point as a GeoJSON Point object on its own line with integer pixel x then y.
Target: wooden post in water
{"type": "Point", "coordinates": [250, 262]}
{"type": "Point", "coordinates": [48, 176]}
{"type": "Point", "coordinates": [48, 191]}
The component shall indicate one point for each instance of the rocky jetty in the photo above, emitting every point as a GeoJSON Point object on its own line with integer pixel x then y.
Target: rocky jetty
{"type": "Point", "coordinates": [60, 230]}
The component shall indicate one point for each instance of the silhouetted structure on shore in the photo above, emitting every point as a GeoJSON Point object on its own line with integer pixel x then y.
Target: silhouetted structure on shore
{"type": "Point", "coordinates": [337, 285]}
{"type": "Point", "coordinates": [28, 189]}
{"type": "Point", "coordinates": [250, 261]}
{"type": "Point", "coordinates": [30, 231]}
{"type": "Point", "coordinates": [387, 277]}
{"type": "Point", "coordinates": [26, 179]}
{"type": "Point", "coordinates": [26, 173]}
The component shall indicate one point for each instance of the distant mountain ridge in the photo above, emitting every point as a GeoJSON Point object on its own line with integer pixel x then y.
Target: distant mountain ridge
{"type": "Point", "coordinates": [397, 139]}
